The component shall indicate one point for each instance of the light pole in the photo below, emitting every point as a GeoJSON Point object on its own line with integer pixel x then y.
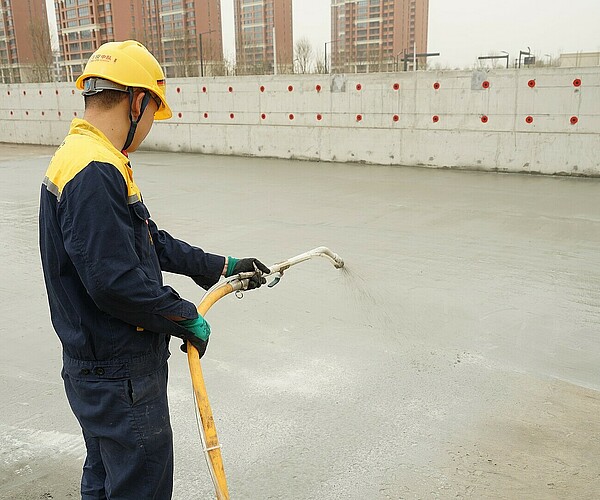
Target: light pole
{"type": "Point", "coordinates": [507, 57]}
{"type": "Point", "coordinates": [396, 60]}
{"type": "Point", "coordinates": [201, 55]}
{"type": "Point", "coordinates": [523, 53]}
{"type": "Point", "coordinates": [414, 56]}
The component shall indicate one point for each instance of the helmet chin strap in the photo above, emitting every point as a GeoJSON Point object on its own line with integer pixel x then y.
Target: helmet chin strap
{"type": "Point", "coordinates": [134, 123]}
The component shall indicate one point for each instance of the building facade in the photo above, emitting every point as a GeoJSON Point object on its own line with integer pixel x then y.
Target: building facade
{"type": "Point", "coordinates": [171, 29]}
{"type": "Point", "coordinates": [186, 35]}
{"type": "Point", "coordinates": [377, 35]}
{"type": "Point", "coordinates": [264, 36]}
{"type": "Point", "coordinates": [25, 50]}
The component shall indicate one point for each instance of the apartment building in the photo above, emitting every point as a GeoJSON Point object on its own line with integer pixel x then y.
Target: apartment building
{"type": "Point", "coordinates": [25, 51]}
{"type": "Point", "coordinates": [264, 36]}
{"type": "Point", "coordinates": [376, 35]}
{"type": "Point", "coordinates": [186, 36]}
{"type": "Point", "coordinates": [171, 29]}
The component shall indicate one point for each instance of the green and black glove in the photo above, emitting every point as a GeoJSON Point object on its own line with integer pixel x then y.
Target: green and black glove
{"type": "Point", "coordinates": [199, 333]}
{"type": "Point", "coordinates": [236, 266]}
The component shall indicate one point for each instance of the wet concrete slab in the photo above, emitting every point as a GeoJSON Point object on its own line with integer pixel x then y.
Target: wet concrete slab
{"type": "Point", "coordinates": [456, 356]}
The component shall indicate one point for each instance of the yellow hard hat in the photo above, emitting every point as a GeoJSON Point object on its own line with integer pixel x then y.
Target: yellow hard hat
{"type": "Point", "coordinates": [129, 64]}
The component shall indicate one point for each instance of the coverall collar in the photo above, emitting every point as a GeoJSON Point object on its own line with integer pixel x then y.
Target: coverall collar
{"type": "Point", "coordinates": [82, 127]}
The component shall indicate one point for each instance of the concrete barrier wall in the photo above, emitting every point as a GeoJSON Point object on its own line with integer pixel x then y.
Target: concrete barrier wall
{"type": "Point", "coordinates": [529, 120]}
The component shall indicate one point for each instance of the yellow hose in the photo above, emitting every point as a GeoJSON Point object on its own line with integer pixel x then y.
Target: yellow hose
{"type": "Point", "coordinates": [211, 440]}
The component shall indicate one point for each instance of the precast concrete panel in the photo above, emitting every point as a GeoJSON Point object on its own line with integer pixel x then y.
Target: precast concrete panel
{"type": "Point", "coordinates": [351, 113]}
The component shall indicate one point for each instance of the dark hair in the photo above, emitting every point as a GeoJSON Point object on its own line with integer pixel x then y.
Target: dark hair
{"type": "Point", "coordinates": [107, 99]}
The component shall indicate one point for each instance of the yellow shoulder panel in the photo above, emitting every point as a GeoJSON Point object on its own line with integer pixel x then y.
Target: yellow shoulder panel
{"type": "Point", "coordinates": [75, 153]}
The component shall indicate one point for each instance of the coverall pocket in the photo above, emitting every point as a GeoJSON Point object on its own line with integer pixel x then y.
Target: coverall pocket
{"type": "Point", "coordinates": [142, 390]}
{"type": "Point", "coordinates": [143, 238]}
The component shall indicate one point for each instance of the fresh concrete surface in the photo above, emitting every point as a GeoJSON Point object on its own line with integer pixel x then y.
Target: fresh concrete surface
{"type": "Point", "coordinates": [457, 355]}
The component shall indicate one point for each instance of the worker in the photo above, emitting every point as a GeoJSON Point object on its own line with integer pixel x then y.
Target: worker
{"type": "Point", "coordinates": [102, 257]}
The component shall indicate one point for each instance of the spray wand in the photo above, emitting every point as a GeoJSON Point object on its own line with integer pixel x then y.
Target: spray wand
{"type": "Point", "coordinates": [237, 283]}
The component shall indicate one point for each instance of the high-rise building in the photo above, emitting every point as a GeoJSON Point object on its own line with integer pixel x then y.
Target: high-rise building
{"type": "Point", "coordinates": [257, 51]}
{"type": "Point", "coordinates": [25, 51]}
{"type": "Point", "coordinates": [185, 35]}
{"type": "Point", "coordinates": [376, 35]}
{"type": "Point", "coordinates": [171, 29]}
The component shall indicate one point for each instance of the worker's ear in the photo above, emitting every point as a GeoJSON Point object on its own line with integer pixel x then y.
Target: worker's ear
{"type": "Point", "coordinates": [136, 106]}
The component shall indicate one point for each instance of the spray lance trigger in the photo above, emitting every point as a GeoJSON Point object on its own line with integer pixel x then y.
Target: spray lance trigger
{"type": "Point", "coordinates": [276, 280]}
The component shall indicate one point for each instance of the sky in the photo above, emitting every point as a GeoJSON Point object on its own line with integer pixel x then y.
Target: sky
{"type": "Point", "coordinates": [462, 30]}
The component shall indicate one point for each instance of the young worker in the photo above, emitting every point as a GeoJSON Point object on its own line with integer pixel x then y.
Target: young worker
{"type": "Point", "coordinates": [102, 257]}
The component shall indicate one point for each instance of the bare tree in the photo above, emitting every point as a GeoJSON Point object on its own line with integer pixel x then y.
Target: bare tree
{"type": "Point", "coordinates": [41, 48]}
{"type": "Point", "coordinates": [224, 67]}
{"type": "Point", "coordinates": [320, 66]}
{"type": "Point", "coordinates": [185, 64]}
{"type": "Point", "coordinates": [303, 54]}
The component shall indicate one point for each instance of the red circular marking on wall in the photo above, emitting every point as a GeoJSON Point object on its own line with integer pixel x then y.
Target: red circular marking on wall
{"type": "Point", "coordinates": [577, 82]}
{"type": "Point", "coordinates": [359, 118]}
{"type": "Point", "coordinates": [484, 119]}
{"type": "Point", "coordinates": [396, 118]}
{"type": "Point", "coordinates": [318, 88]}
{"type": "Point", "coordinates": [179, 115]}
{"type": "Point", "coordinates": [205, 115]}
{"type": "Point", "coordinates": [574, 120]}
{"type": "Point", "coordinates": [290, 88]}
{"type": "Point", "coordinates": [358, 87]}
{"type": "Point", "coordinates": [319, 117]}
{"type": "Point", "coordinates": [231, 115]}
{"type": "Point", "coordinates": [204, 89]}
{"type": "Point", "coordinates": [435, 118]}
{"type": "Point", "coordinates": [436, 85]}
{"type": "Point", "coordinates": [178, 90]}
{"type": "Point", "coordinates": [230, 89]}
{"type": "Point", "coordinates": [262, 88]}
{"type": "Point", "coordinates": [263, 116]}
{"type": "Point", "coordinates": [529, 119]}
{"type": "Point", "coordinates": [531, 83]}
{"type": "Point", "coordinates": [486, 84]}
{"type": "Point", "coordinates": [291, 117]}
{"type": "Point", "coordinates": [396, 86]}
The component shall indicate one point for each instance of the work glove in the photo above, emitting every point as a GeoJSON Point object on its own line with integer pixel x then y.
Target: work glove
{"type": "Point", "coordinates": [199, 332]}
{"type": "Point", "coordinates": [236, 266]}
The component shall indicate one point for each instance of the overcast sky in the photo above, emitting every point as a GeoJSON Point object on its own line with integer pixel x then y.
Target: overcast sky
{"type": "Point", "coordinates": [461, 30]}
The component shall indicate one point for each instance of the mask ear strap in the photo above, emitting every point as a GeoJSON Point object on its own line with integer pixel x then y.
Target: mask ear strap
{"type": "Point", "coordinates": [134, 123]}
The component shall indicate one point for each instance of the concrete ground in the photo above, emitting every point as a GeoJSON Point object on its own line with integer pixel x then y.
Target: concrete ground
{"type": "Point", "coordinates": [456, 356]}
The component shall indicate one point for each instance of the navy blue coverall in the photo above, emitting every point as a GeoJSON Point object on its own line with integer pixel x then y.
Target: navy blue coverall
{"type": "Point", "coordinates": [102, 258]}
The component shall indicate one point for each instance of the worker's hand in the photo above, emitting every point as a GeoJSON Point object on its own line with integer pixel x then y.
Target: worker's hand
{"type": "Point", "coordinates": [199, 333]}
{"type": "Point", "coordinates": [236, 266]}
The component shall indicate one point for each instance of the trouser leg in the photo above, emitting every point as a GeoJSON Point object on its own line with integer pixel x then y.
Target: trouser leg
{"type": "Point", "coordinates": [129, 421]}
{"type": "Point", "coordinates": [94, 474]}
